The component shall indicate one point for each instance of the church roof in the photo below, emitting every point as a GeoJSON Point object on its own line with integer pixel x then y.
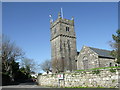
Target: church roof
{"type": "Point", "coordinates": [102, 52]}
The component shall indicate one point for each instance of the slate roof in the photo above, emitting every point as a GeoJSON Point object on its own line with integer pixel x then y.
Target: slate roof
{"type": "Point", "coordinates": [102, 52]}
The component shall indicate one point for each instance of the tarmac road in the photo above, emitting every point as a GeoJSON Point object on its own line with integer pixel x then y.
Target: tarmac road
{"type": "Point", "coordinates": [24, 85]}
{"type": "Point", "coordinates": [33, 86]}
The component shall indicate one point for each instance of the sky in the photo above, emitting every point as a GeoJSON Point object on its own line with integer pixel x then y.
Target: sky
{"type": "Point", "coordinates": [27, 24]}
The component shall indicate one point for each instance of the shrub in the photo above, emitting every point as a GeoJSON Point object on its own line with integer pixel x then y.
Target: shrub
{"type": "Point", "coordinates": [96, 71]}
{"type": "Point", "coordinates": [5, 79]}
{"type": "Point", "coordinates": [112, 70]}
{"type": "Point", "coordinates": [113, 81]}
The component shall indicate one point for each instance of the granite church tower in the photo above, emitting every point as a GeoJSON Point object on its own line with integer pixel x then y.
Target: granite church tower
{"type": "Point", "coordinates": [63, 43]}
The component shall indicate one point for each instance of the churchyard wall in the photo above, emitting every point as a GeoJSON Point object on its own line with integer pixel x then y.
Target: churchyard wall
{"type": "Point", "coordinates": [108, 78]}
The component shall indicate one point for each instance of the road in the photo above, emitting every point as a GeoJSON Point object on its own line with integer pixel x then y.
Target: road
{"type": "Point", "coordinates": [33, 86]}
{"type": "Point", "coordinates": [24, 85]}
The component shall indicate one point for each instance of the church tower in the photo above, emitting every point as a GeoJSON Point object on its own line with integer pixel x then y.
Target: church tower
{"type": "Point", "coordinates": [63, 44]}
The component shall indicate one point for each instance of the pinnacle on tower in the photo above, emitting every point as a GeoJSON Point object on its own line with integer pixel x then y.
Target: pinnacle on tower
{"type": "Point", "coordinates": [59, 15]}
{"type": "Point", "coordinates": [51, 20]}
{"type": "Point", "coordinates": [72, 18]}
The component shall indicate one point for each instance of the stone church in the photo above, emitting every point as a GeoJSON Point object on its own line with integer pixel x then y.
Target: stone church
{"type": "Point", "coordinates": [63, 47]}
{"type": "Point", "coordinates": [90, 57]}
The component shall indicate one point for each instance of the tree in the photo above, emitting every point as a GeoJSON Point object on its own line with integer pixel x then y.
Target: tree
{"type": "Point", "coordinates": [11, 71]}
{"type": "Point", "coordinates": [46, 66]}
{"type": "Point", "coordinates": [10, 53]}
{"type": "Point", "coordinates": [28, 64]}
{"type": "Point", "coordinates": [58, 65]}
{"type": "Point", "coordinates": [116, 46]}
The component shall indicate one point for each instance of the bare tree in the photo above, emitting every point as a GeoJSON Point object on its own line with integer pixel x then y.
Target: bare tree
{"type": "Point", "coordinates": [58, 65]}
{"type": "Point", "coordinates": [46, 66]}
{"type": "Point", "coordinates": [28, 64]}
{"type": "Point", "coordinates": [10, 52]}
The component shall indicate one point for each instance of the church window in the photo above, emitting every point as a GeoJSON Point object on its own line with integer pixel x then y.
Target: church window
{"type": "Point", "coordinates": [75, 60]}
{"type": "Point", "coordinates": [116, 65]}
{"type": "Point", "coordinates": [68, 42]}
{"type": "Point", "coordinates": [85, 62]}
{"type": "Point", "coordinates": [54, 30]}
{"type": "Point", "coordinates": [64, 47]}
{"type": "Point", "coordinates": [67, 28]}
{"type": "Point", "coordinates": [60, 45]}
{"type": "Point", "coordinates": [64, 44]}
{"type": "Point", "coordinates": [110, 64]}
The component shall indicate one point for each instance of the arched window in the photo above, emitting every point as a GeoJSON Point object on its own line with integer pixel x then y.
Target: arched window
{"type": "Point", "coordinates": [60, 45]}
{"type": "Point", "coordinates": [85, 62]}
{"type": "Point", "coordinates": [110, 64]}
{"type": "Point", "coordinates": [54, 30]}
{"type": "Point", "coordinates": [116, 65]}
{"type": "Point", "coordinates": [75, 60]}
{"type": "Point", "coordinates": [68, 42]}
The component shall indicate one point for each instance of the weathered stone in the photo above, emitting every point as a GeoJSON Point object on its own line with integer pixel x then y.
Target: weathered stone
{"type": "Point", "coordinates": [82, 80]}
{"type": "Point", "coordinates": [63, 43]}
{"type": "Point", "coordinates": [88, 58]}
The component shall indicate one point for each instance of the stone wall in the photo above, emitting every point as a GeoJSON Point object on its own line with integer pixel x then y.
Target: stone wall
{"type": "Point", "coordinates": [101, 78]}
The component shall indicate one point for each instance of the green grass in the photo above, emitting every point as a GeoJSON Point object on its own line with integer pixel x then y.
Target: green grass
{"type": "Point", "coordinates": [99, 68]}
{"type": "Point", "coordinates": [88, 87]}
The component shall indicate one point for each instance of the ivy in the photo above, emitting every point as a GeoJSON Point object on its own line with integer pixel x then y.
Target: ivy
{"type": "Point", "coordinates": [112, 70]}
{"type": "Point", "coordinates": [96, 71]}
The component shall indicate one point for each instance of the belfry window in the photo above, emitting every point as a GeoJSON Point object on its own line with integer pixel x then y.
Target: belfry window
{"type": "Point", "coordinates": [67, 28]}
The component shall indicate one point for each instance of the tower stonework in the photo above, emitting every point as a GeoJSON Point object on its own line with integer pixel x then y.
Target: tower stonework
{"type": "Point", "coordinates": [63, 42]}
